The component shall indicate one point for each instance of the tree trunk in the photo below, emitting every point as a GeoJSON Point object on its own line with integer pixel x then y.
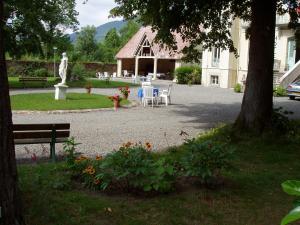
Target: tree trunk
{"type": "Point", "coordinates": [257, 102]}
{"type": "Point", "coordinates": [10, 202]}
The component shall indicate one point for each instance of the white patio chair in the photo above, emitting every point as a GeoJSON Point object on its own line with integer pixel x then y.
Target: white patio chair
{"type": "Point", "coordinates": [146, 83]}
{"type": "Point", "coordinates": [149, 78]}
{"type": "Point", "coordinates": [148, 95]}
{"type": "Point", "coordinates": [114, 75]}
{"type": "Point", "coordinates": [100, 75]}
{"type": "Point", "coordinates": [166, 95]}
{"type": "Point", "coordinates": [125, 73]}
{"type": "Point", "coordinates": [106, 75]}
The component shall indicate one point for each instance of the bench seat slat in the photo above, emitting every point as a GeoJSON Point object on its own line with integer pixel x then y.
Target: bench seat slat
{"type": "Point", "coordinates": [39, 141]}
{"type": "Point", "coordinates": [30, 127]}
{"type": "Point", "coordinates": [40, 134]}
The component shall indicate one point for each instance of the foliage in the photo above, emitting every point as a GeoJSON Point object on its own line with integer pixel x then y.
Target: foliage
{"type": "Point", "coordinates": [188, 75]}
{"type": "Point", "coordinates": [281, 124]}
{"type": "Point", "coordinates": [135, 167]}
{"type": "Point", "coordinates": [205, 160]}
{"type": "Point", "coordinates": [279, 91]}
{"type": "Point", "coordinates": [292, 187]}
{"type": "Point", "coordinates": [125, 91]}
{"type": "Point", "coordinates": [43, 72]}
{"type": "Point", "coordinates": [14, 83]}
{"type": "Point", "coordinates": [237, 88]}
{"type": "Point", "coordinates": [70, 151]}
{"type": "Point", "coordinates": [85, 44]}
{"type": "Point", "coordinates": [38, 28]}
{"type": "Point", "coordinates": [78, 72]}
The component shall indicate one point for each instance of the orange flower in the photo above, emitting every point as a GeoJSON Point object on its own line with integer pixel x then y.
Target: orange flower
{"type": "Point", "coordinates": [127, 145]}
{"type": "Point", "coordinates": [80, 158]}
{"type": "Point", "coordinates": [99, 157]}
{"type": "Point", "coordinates": [97, 181]}
{"type": "Point", "coordinates": [148, 145]}
{"type": "Point", "coordinates": [89, 170]}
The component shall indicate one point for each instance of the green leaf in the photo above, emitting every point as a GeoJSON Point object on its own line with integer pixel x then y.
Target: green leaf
{"type": "Point", "coordinates": [291, 216]}
{"type": "Point", "coordinates": [291, 187]}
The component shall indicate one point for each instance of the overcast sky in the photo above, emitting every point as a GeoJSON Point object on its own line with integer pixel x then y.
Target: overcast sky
{"type": "Point", "coordinates": [94, 12]}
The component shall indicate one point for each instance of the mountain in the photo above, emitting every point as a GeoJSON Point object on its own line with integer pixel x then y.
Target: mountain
{"type": "Point", "coordinates": [102, 30]}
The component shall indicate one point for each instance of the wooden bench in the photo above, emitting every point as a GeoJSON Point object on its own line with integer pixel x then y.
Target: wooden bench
{"type": "Point", "coordinates": [25, 80]}
{"type": "Point", "coordinates": [41, 133]}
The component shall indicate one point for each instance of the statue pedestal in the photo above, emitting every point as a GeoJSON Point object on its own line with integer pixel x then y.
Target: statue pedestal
{"type": "Point", "coordinates": [60, 91]}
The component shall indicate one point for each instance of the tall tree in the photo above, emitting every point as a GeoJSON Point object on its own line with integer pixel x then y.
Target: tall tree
{"type": "Point", "coordinates": [86, 43]}
{"type": "Point", "coordinates": [10, 201]}
{"type": "Point", "coordinates": [208, 23]}
{"type": "Point", "coordinates": [32, 22]}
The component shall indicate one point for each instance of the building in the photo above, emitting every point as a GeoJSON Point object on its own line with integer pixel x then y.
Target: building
{"type": "Point", "coordinates": [223, 69]}
{"type": "Point", "coordinates": [141, 55]}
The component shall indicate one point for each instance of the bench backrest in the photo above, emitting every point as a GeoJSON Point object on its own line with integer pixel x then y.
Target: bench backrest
{"type": "Point", "coordinates": [37, 131]}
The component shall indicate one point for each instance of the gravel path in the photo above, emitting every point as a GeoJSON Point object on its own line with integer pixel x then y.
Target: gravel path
{"type": "Point", "coordinates": [194, 109]}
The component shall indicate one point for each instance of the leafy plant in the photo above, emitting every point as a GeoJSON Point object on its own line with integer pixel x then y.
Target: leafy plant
{"type": "Point", "coordinates": [78, 72]}
{"type": "Point", "coordinates": [281, 123]}
{"type": "Point", "coordinates": [292, 187]}
{"type": "Point", "coordinates": [188, 75]}
{"type": "Point", "coordinates": [42, 72]}
{"type": "Point", "coordinates": [279, 91]}
{"type": "Point", "coordinates": [205, 160]}
{"type": "Point", "coordinates": [69, 148]}
{"type": "Point", "coordinates": [238, 88]}
{"type": "Point", "coordinates": [135, 167]}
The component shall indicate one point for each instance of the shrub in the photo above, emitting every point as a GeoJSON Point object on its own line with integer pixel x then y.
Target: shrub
{"type": "Point", "coordinates": [78, 72]}
{"type": "Point", "coordinates": [279, 91]}
{"type": "Point", "coordinates": [135, 167]}
{"type": "Point", "coordinates": [42, 72]}
{"type": "Point", "coordinates": [238, 88]}
{"type": "Point", "coordinates": [15, 71]}
{"type": "Point", "coordinates": [205, 160]}
{"type": "Point", "coordinates": [188, 75]}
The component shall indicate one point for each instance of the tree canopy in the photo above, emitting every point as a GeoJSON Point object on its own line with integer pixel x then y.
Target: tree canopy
{"type": "Point", "coordinates": [32, 23]}
{"type": "Point", "coordinates": [208, 23]}
{"type": "Point", "coordinates": [200, 22]}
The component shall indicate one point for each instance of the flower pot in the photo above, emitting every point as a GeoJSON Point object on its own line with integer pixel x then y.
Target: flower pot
{"type": "Point", "coordinates": [116, 104]}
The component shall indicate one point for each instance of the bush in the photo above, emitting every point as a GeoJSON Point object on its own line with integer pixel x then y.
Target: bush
{"type": "Point", "coordinates": [42, 72]}
{"type": "Point", "coordinates": [132, 167]}
{"type": "Point", "coordinates": [279, 91]}
{"type": "Point", "coordinates": [15, 71]}
{"type": "Point", "coordinates": [77, 72]}
{"type": "Point", "coordinates": [238, 88]}
{"type": "Point", "coordinates": [188, 75]}
{"type": "Point", "coordinates": [205, 160]}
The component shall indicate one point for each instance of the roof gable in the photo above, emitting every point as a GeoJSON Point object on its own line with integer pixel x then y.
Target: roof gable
{"type": "Point", "coordinates": [131, 48]}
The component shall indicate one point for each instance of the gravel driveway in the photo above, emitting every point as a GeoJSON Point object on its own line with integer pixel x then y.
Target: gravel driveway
{"type": "Point", "coordinates": [194, 109]}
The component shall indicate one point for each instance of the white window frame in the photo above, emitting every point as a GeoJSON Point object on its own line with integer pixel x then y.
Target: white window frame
{"type": "Point", "coordinates": [216, 53]}
{"type": "Point", "coordinates": [214, 80]}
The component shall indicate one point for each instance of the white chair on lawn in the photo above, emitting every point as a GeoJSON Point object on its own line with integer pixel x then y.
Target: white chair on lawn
{"type": "Point", "coordinates": [166, 95]}
{"type": "Point", "coordinates": [100, 75]}
{"type": "Point", "coordinates": [106, 75]}
{"type": "Point", "coordinates": [114, 75]}
{"type": "Point", "coordinates": [148, 95]}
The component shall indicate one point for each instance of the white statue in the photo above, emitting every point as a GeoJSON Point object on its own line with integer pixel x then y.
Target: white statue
{"type": "Point", "coordinates": [63, 68]}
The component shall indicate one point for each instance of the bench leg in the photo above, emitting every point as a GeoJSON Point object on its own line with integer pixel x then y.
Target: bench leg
{"type": "Point", "coordinates": [52, 152]}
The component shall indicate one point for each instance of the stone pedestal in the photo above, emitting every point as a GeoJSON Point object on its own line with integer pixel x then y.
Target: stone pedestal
{"type": "Point", "coordinates": [60, 91]}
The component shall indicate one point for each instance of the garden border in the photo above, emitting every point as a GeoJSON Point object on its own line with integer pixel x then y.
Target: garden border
{"type": "Point", "coordinates": [132, 104]}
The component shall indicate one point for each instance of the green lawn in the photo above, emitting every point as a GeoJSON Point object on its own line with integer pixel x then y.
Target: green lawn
{"type": "Point", "coordinates": [251, 195]}
{"type": "Point", "coordinates": [46, 101]}
{"type": "Point", "coordinates": [14, 83]}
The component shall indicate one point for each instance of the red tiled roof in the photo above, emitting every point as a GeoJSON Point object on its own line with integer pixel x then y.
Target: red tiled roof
{"type": "Point", "coordinates": [130, 48]}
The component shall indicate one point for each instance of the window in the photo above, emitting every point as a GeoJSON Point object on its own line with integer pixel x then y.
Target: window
{"type": "Point", "coordinates": [214, 80]}
{"type": "Point", "coordinates": [215, 57]}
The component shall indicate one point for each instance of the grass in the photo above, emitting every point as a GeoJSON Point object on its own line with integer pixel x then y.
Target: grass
{"type": "Point", "coordinates": [251, 195]}
{"type": "Point", "coordinates": [46, 101]}
{"type": "Point", "coordinates": [14, 83]}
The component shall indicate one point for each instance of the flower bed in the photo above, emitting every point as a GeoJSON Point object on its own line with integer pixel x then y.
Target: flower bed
{"type": "Point", "coordinates": [136, 168]}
